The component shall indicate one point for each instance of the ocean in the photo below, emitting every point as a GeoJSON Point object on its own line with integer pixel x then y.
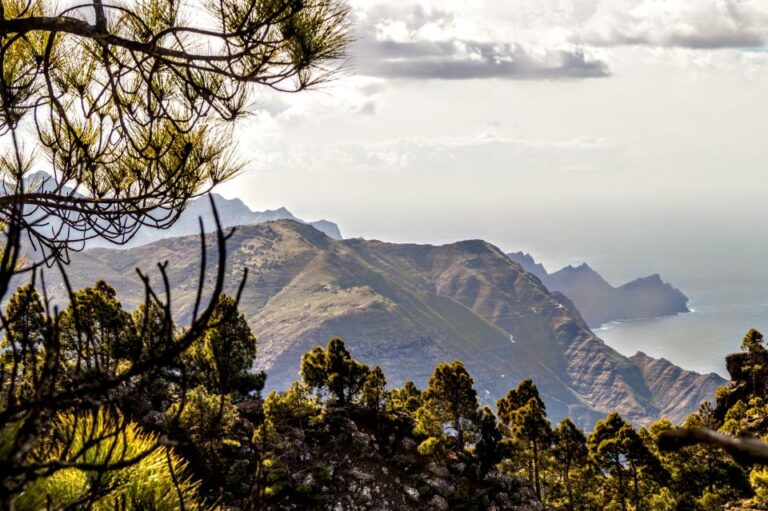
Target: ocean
{"type": "Point", "coordinates": [721, 313]}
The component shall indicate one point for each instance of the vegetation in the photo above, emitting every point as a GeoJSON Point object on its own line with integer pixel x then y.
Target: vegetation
{"type": "Point", "coordinates": [196, 431]}
{"type": "Point", "coordinates": [134, 103]}
{"type": "Point", "coordinates": [106, 408]}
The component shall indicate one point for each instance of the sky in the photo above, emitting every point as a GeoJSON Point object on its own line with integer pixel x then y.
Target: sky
{"type": "Point", "coordinates": [627, 133]}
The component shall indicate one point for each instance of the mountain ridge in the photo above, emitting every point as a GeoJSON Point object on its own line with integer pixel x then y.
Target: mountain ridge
{"type": "Point", "coordinates": [232, 213]}
{"type": "Point", "coordinates": [405, 307]}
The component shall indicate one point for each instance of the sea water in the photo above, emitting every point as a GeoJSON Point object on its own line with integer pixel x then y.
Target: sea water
{"type": "Point", "coordinates": [722, 310]}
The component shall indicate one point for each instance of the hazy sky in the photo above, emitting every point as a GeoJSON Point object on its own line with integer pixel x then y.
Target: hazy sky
{"type": "Point", "coordinates": [579, 129]}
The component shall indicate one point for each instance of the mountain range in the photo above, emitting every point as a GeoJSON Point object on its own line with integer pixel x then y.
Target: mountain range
{"type": "Point", "coordinates": [232, 212]}
{"type": "Point", "coordinates": [599, 302]}
{"type": "Point", "coordinates": [408, 307]}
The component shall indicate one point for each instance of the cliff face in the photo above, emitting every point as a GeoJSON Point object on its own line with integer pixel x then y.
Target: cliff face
{"type": "Point", "coordinates": [406, 308]}
{"type": "Point", "coordinates": [599, 302]}
{"type": "Point", "coordinates": [675, 390]}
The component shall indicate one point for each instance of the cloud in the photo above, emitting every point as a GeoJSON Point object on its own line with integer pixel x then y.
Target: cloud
{"type": "Point", "coordinates": [353, 95]}
{"type": "Point", "coordinates": [541, 39]}
{"type": "Point", "coordinates": [416, 43]}
{"type": "Point", "coordinates": [461, 60]}
{"type": "Point", "coordinates": [696, 24]}
{"type": "Point", "coordinates": [443, 156]}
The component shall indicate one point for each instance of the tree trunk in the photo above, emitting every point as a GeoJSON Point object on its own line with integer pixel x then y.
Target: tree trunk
{"type": "Point", "coordinates": [537, 482]}
{"type": "Point", "coordinates": [637, 488]}
{"type": "Point", "coordinates": [620, 482]}
{"type": "Point", "coordinates": [568, 485]}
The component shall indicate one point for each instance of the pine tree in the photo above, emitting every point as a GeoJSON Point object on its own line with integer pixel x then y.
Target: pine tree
{"type": "Point", "coordinates": [96, 331]}
{"type": "Point", "coordinates": [21, 357]}
{"type": "Point", "coordinates": [406, 399]}
{"type": "Point", "coordinates": [374, 390]}
{"type": "Point", "coordinates": [222, 358]}
{"type": "Point", "coordinates": [619, 450]}
{"type": "Point", "coordinates": [334, 370]}
{"type": "Point", "coordinates": [570, 451]}
{"type": "Point", "coordinates": [487, 448]}
{"type": "Point", "coordinates": [523, 412]}
{"type": "Point", "coordinates": [449, 403]}
{"type": "Point", "coordinates": [607, 452]}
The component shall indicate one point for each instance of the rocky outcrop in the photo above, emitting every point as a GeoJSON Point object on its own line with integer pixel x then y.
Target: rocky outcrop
{"type": "Point", "coordinates": [599, 302]}
{"type": "Point", "coordinates": [406, 308]}
{"type": "Point", "coordinates": [749, 378]}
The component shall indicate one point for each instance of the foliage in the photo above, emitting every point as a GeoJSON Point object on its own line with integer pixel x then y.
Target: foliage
{"type": "Point", "coordinates": [753, 342]}
{"type": "Point", "coordinates": [96, 448]}
{"type": "Point", "coordinates": [619, 450]}
{"type": "Point", "coordinates": [134, 103]}
{"type": "Point", "coordinates": [374, 390]}
{"type": "Point", "coordinates": [96, 331]}
{"type": "Point", "coordinates": [405, 400]}
{"type": "Point", "coordinates": [335, 371]}
{"type": "Point", "coordinates": [21, 349]}
{"type": "Point", "coordinates": [221, 360]}
{"type": "Point", "coordinates": [206, 419]}
{"type": "Point", "coordinates": [487, 448]}
{"type": "Point", "coordinates": [449, 404]}
{"type": "Point", "coordinates": [522, 411]}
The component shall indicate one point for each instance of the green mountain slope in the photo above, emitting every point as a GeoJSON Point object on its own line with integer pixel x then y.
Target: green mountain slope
{"type": "Point", "coordinates": [407, 308]}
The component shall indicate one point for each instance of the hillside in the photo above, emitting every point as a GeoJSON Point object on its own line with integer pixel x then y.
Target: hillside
{"type": "Point", "coordinates": [407, 308]}
{"type": "Point", "coordinates": [599, 302]}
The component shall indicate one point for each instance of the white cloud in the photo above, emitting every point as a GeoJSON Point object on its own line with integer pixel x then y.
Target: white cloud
{"type": "Point", "coordinates": [541, 39]}
{"type": "Point", "coordinates": [700, 24]}
{"type": "Point", "coordinates": [411, 41]}
{"type": "Point", "coordinates": [484, 152]}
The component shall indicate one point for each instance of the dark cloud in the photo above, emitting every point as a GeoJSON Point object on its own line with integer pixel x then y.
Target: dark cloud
{"type": "Point", "coordinates": [462, 60]}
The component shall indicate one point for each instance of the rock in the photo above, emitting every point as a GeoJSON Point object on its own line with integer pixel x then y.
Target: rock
{"type": "Point", "coordinates": [361, 438]}
{"type": "Point", "coordinates": [412, 493]}
{"type": "Point", "coordinates": [441, 486]}
{"type": "Point", "coordinates": [358, 474]}
{"type": "Point", "coordinates": [438, 470]}
{"type": "Point", "coordinates": [438, 503]}
{"type": "Point", "coordinates": [409, 443]}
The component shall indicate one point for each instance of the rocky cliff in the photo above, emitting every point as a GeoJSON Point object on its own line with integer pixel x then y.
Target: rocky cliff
{"type": "Point", "coordinates": [599, 302]}
{"type": "Point", "coordinates": [674, 389]}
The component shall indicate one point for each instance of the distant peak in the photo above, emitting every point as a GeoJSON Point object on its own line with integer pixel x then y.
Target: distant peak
{"type": "Point", "coordinates": [582, 268]}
